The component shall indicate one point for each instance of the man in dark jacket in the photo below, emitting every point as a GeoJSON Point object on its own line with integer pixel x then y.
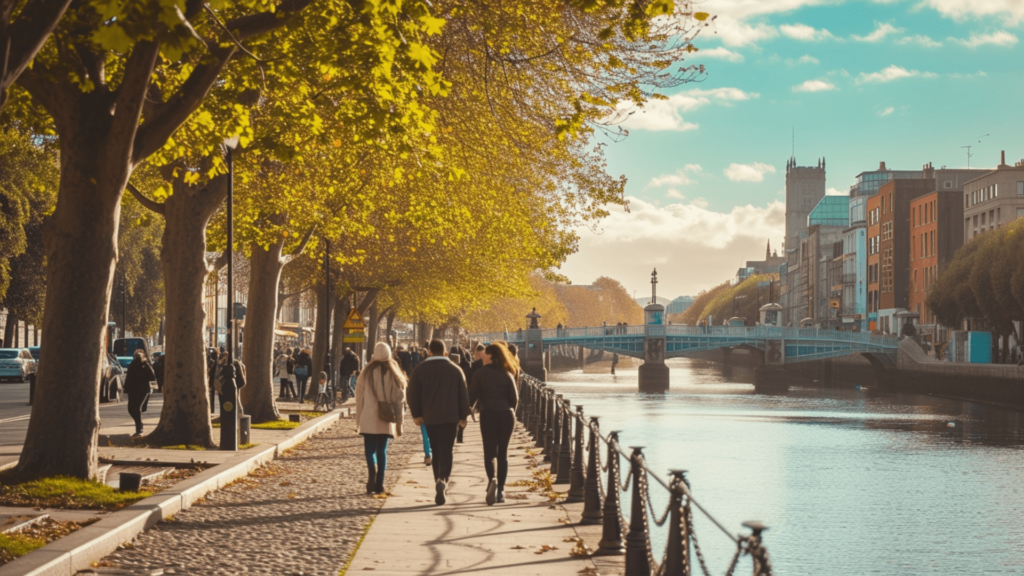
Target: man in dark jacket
{"type": "Point", "coordinates": [478, 361]}
{"type": "Point", "coordinates": [438, 398]}
{"type": "Point", "coordinates": [405, 360]}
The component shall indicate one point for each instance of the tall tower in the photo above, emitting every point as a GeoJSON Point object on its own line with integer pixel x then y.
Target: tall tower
{"type": "Point", "coordinates": [805, 187]}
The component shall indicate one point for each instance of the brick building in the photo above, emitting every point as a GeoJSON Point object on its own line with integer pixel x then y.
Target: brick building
{"type": "Point", "coordinates": [935, 235]}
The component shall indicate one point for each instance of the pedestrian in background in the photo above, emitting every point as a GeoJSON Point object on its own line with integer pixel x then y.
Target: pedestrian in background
{"type": "Point", "coordinates": [303, 368]}
{"type": "Point", "coordinates": [438, 398]}
{"type": "Point", "coordinates": [211, 374]}
{"type": "Point", "coordinates": [137, 385]}
{"type": "Point", "coordinates": [285, 365]}
{"type": "Point", "coordinates": [456, 357]}
{"type": "Point", "coordinates": [380, 400]}
{"type": "Point", "coordinates": [493, 391]}
{"type": "Point", "coordinates": [478, 361]}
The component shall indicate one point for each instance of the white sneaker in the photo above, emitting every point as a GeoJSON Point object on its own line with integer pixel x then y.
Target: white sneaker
{"type": "Point", "coordinates": [427, 461]}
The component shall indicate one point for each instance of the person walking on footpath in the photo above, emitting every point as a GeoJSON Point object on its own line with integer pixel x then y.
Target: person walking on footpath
{"type": "Point", "coordinates": [380, 401]}
{"type": "Point", "coordinates": [303, 368]}
{"type": "Point", "coordinates": [137, 386]}
{"type": "Point", "coordinates": [439, 398]}
{"type": "Point", "coordinates": [493, 391]}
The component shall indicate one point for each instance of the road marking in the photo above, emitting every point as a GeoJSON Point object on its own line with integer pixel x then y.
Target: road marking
{"type": "Point", "coordinates": [16, 419]}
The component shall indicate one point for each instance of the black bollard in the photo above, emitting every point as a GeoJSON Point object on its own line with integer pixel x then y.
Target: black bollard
{"type": "Point", "coordinates": [542, 400]}
{"type": "Point", "coordinates": [637, 543]}
{"type": "Point", "coordinates": [229, 410]}
{"type": "Point", "coordinates": [565, 447]}
{"type": "Point", "coordinates": [129, 482]}
{"type": "Point", "coordinates": [592, 502]}
{"type": "Point", "coordinates": [677, 552]}
{"type": "Point", "coordinates": [556, 433]}
{"type": "Point", "coordinates": [549, 425]}
{"type": "Point", "coordinates": [611, 533]}
{"type": "Point", "coordinates": [576, 478]}
{"type": "Point", "coordinates": [244, 429]}
{"type": "Point", "coordinates": [524, 403]}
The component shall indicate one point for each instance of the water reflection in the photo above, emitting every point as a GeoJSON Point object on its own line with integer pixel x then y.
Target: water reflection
{"type": "Point", "coordinates": [850, 481]}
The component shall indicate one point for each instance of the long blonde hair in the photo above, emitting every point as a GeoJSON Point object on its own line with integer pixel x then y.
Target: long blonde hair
{"type": "Point", "coordinates": [388, 365]}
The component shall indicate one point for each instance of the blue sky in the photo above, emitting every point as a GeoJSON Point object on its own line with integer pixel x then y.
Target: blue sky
{"type": "Point", "coordinates": [907, 82]}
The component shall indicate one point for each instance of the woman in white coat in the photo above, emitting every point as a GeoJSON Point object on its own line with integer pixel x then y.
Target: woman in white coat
{"type": "Point", "coordinates": [380, 409]}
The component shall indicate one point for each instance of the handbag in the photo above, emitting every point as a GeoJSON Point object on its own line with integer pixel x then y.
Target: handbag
{"type": "Point", "coordinates": [385, 409]}
{"type": "Point", "coordinates": [301, 371]}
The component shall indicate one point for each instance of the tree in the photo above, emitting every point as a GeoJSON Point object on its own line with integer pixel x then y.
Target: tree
{"type": "Point", "coordinates": [695, 313]}
{"type": "Point", "coordinates": [117, 85]}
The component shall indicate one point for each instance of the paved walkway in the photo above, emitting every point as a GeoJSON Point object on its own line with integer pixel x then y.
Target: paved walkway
{"type": "Point", "coordinates": [412, 535]}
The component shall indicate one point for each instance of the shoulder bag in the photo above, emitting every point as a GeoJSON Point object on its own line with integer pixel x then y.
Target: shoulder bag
{"type": "Point", "coordinates": [385, 409]}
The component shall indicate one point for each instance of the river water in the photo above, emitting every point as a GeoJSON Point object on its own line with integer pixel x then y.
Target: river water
{"type": "Point", "coordinates": [849, 481]}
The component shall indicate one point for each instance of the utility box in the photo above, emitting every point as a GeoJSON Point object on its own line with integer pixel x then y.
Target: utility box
{"type": "Point", "coordinates": [971, 347]}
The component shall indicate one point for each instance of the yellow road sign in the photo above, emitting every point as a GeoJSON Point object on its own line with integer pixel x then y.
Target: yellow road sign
{"type": "Point", "coordinates": [354, 337]}
{"type": "Point", "coordinates": [354, 320]}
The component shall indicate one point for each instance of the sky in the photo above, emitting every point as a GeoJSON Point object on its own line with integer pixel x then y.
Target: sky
{"type": "Point", "coordinates": [906, 82]}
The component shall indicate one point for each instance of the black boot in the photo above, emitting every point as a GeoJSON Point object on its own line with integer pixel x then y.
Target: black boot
{"type": "Point", "coordinates": [378, 486]}
{"type": "Point", "coordinates": [371, 481]}
{"type": "Point", "coordinates": [500, 496]}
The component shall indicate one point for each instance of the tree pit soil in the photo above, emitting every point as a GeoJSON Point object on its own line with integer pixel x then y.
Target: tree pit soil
{"type": "Point", "coordinates": [17, 544]}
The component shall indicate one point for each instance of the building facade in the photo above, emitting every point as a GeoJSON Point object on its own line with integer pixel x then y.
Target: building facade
{"type": "Point", "coordinates": [935, 235]}
{"type": "Point", "coordinates": [993, 199]}
{"type": "Point", "coordinates": [805, 187]}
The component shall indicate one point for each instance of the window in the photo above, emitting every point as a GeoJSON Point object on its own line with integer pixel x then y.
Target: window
{"type": "Point", "coordinates": [982, 218]}
{"type": "Point", "coordinates": [948, 184]}
{"type": "Point", "coordinates": [995, 190]}
{"type": "Point", "coordinates": [1020, 212]}
{"type": "Point", "coordinates": [974, 198]}
{"type": "Point", "coordinates": [932, 234]}
{"type": "Point", "coordinates": [975, 220]}
{"type": "Point", "coordinates": [991, 220]}
{"type": "Point", "coordinates": [1020, 188]}
{"type": "Point", "coordinates": [923, 236]}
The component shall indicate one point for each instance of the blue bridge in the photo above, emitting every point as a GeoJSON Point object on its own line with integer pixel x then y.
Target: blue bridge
{"type": "Point", "coordinates": [773, 346]}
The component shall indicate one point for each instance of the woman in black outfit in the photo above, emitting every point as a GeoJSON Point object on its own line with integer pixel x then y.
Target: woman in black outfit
{"type": "Point", "coordinates": [493, 391]}
{"type": "Point", "coordinates": [136, 384]}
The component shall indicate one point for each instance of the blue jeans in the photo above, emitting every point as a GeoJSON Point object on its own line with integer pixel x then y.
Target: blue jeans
{"type": "Point", "coordinates": [376, 446]}
{"type": "Point", "coordinates": [426, 440]}
{"type": "Point", "coordinates": [301, 380]}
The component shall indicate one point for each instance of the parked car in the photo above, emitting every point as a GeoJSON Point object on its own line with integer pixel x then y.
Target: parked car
{"type": "Point", "coordinates": [111, 380]}
{"type": "Point", "coordinates": [34, 351]}
{"type": "Point", "coordinates": [17, 364]}
{"type": "Point", "coordinates": [126, 347]}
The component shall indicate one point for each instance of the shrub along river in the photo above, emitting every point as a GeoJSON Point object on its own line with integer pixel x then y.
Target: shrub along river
{"type": "Point", "coordinates": [849, 481]}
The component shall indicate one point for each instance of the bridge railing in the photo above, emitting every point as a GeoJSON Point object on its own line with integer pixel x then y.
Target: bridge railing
{"type": "Point", "coordinates": [558, 432]}
{"type": "Point", "coordinates": [758, 332]}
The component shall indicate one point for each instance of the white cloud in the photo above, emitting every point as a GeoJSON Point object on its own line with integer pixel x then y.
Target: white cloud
{"type": "Point", "coordinates": [807, 59]}
{"type": "Point", "coordinates": [997, 38]}
{"type": "Point", "coordinates": [805, 33]}
{"type": "Point", "coordinates": [920, 40]}
{"type": "Point", "coordinates": [721, 53]}
{"type": "Point", "coordinates": [735, 32]}
{"type": "Point", "coordinates": [836, 192]}
{"type": "Point", "coordinates": [959, 76]}
{"type": "Point", "coordinates": [888, 110]}
{"type": "Point", "coordinates": [1010, 10]}
{"type": "Point", "coordinates": [693, 247]}
{"type": "Point", "coordinates": [815, 86]}
{"type": "Point", "coordinates": [882, 29]}
{"type": "Point", "coordinates": [892, 73]}
{"type": "Point", "coordinates": [673, 193]}
{"type": "Point", "coordinates": [748, 172]}
{"type": "Point", "coordinates": [666, 115]}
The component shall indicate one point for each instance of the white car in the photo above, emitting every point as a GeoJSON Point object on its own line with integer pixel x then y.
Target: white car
{"type": "Point", "coordinates": [16, 364]}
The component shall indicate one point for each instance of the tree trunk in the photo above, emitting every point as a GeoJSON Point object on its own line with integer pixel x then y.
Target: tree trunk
{"type": "Point", "coordinates": [341, 309]}
{"type": "Point", "coordinates": [264, 279]}
{"type": "Point", "coordinates": [319, 338]}
{"type": "Point", "coordinates": [424, 333]}
{"type": "Point", "coordinates": [11, 330]}
{"type": "Point", "coordinates": [371, 333]}
{"type": "Point", "coordinates": [390, 324]}
{"type": "Point", "coordinates": [185, 418]}
{"type": "Point", "coordinates": [80, 240]}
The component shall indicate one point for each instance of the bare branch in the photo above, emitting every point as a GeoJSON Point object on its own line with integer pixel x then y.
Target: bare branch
{"type": "Point", "coordinates": [302, 245]}
{"type": "Point", "coordinates": [153, 205]}
{"type": "Point", "coordinates": [21, 40]}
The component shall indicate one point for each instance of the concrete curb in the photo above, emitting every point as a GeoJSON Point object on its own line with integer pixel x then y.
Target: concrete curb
{"type": "Point", "coordinates": [79, 550]}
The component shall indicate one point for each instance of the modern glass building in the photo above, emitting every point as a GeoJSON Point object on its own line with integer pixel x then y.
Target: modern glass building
{"type": "Point", "coordinates": [831, 211]}
{"type": "Point", "coordinates": [868, 183]}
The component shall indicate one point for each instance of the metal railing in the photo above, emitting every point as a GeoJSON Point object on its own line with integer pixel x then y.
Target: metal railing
{"type": "Point", "coordinates": [758, 332]}
{"type": "Point", "coordinates": [559, 432]}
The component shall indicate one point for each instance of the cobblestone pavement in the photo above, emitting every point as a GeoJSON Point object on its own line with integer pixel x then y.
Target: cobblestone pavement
{"type": "Point", "coordinates": [302, 514]}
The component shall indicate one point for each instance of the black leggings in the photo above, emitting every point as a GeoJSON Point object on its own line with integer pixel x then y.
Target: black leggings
{"type": "Point", "coordinates": [135, 402]}
{"type": "Point", "coordinates": [496, 428]}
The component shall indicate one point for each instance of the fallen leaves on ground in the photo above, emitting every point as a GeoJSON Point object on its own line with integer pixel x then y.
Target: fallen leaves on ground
{"type": "Point", "coordinates": [546, 548]}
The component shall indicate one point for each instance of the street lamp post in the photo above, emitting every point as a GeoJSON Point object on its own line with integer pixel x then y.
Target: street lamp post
{"type": "Point", "coordinates": [229, 394]}
{"type": "Point", "coordinates": [328, 367]}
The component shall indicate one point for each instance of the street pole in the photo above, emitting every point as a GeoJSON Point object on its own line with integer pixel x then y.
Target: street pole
{"type": "Point", "coordinates": [327, 301]}
{"type": "Point", "coordinates": [124, 306]}
{"type": "Point", "coordinates": [229, 393]}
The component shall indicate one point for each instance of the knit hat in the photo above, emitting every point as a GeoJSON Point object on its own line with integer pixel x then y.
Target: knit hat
{"type": "Point", "coordinates": [382, 352]}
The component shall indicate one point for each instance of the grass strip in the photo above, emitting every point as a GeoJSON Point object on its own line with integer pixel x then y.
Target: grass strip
{"type": "Point", "coordinates": [17, 545]}
{"type": "Point", "coordinates": [67, 492]}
